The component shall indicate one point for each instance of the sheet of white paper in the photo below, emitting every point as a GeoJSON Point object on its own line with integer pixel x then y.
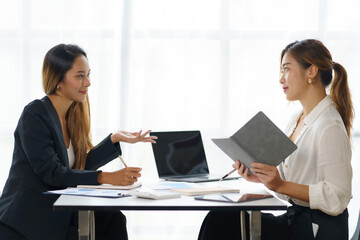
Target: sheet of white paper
{"type": "Point", "coordinates": [90, 192]}
{"type": "Point", "coordinates": [112, 187]}
{"type": "Point", "coordinates": [167, 185]}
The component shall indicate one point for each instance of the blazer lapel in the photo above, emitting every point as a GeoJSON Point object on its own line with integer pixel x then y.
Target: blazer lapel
{"type": "Point", "coordinates": [63, 156]}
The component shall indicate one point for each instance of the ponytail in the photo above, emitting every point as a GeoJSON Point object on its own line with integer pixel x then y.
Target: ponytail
{"type": "Point", "coordinates": [313, 52]}
{"type": "Point", "coordinates": [341, 97]}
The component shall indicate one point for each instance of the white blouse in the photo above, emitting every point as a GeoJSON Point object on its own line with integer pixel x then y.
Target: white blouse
{"type": "Point", "coordinates": [322, 160]}
{"type": "Point", "coordinates": [71, 155]}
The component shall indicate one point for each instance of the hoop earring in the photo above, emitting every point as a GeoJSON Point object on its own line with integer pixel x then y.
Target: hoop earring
{"type": "Point", "coordinates": [309, 81]}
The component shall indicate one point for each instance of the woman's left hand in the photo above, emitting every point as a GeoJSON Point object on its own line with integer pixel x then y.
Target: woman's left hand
{"type": "Point", "coordinates": [268, 175]}
{"type": "Point", "coordinates": [134, 137]}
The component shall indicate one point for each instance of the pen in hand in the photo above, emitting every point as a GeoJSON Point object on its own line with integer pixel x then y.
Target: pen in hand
{"type": "Point", "coordinates": [122, 160]}
{"type": "Point", "coordinates": [226, 175]}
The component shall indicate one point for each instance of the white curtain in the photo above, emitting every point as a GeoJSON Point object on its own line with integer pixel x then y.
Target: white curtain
{"type": "Point", "coordinates": [169, 65]}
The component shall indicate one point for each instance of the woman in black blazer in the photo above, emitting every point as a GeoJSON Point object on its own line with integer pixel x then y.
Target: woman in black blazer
{"type": "Point", "coordinates": [53, 150]}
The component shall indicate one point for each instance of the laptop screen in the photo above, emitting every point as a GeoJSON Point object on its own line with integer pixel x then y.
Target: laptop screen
{"type": "Point", "coordinates": [179, 153]}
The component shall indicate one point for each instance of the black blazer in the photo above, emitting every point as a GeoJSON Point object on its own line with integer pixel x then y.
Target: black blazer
{"type": "Point", "coordinates": [40, 163]}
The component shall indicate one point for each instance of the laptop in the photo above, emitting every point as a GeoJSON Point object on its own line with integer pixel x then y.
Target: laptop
{"type": "Point", "coordinates": [180, 156]}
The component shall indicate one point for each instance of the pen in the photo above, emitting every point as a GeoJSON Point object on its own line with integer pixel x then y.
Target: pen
{"type": "Point", "coordinates": [124, 194]}
{"type": "Point", "coordinates": [226, 175]}
{"type": "Point", "coordinates": [122, 160]}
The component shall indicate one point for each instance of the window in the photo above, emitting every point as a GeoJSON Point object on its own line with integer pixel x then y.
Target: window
{"type": "Point", "coordinates": [170, 64]}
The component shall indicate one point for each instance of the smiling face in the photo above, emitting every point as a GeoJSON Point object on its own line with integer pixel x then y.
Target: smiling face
{"type": "Point", "coordinates": [293, 78]}
{"type": "Point", "coordinates": [76, 81]}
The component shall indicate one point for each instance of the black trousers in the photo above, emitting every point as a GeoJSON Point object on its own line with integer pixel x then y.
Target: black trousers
{"type": "Point", "coordinates": [8, 233]}
{"type": "Point", "coordinates": [108, 225]}
{"type": "Point", "coordinates": [295, 224]}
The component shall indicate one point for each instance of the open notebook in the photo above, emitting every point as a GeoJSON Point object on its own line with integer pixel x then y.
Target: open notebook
{"type": "Point", "coordinates": [259, 140]}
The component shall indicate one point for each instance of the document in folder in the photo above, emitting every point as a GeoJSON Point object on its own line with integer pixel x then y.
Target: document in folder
{"type": "Point", "coordinates": [259, 140]}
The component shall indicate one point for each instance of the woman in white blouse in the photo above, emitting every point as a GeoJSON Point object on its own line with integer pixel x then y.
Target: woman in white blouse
{"type": "Point", "coordinates": [316, 178]}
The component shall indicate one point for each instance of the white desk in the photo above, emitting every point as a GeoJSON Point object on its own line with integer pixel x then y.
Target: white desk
{"type": "Point", "coordinates": [87, 205]}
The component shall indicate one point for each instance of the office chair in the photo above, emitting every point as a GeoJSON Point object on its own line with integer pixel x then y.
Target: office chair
{"type": "Point", "coordinates": [356, 235]}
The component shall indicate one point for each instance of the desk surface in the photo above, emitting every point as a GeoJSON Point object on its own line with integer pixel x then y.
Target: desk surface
{"type": "Point", "coordinates": [67, 202]}
{"type": "Point", "coordinates": [74, 203]}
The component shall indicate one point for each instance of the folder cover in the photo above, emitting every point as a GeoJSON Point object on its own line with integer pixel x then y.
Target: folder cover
{"type": "Point", "coordinates": [259, 140]}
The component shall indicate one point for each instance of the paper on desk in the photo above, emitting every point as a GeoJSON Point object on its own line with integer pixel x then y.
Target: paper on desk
{"type": "Point", "coordinates": [168, 185]}
{"type": "Point", "coordinates": [90, 192]}
{"type": "Point", "coordinates": [205, 190]}
{"type": "Point", "coordinates": [113, 187]}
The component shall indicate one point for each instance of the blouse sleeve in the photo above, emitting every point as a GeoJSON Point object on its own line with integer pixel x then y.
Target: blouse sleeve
{"type": "Point", "coordinates": [333, 192]}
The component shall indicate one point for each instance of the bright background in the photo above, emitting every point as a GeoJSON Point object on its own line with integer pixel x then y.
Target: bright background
{"type": "Point", "coordinates": [172, 65]}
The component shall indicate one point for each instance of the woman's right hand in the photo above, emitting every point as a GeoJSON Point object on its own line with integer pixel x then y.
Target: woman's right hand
{"type": "Point", "coordinates": [122, 177]}
{"type": "Point", "coordinates": [244, 172]}
{"type": "Point", "coordinates": [132, 137]}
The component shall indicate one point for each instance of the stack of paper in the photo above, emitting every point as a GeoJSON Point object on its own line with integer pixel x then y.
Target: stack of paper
{"type": "Point", "coordinates": [109, 186]}
{"type": "Point", "coordinates": [103, 190]}
{"type": "Point", "coordinates": [205, 190]}
{"type": "Point", "coordinates": [168, 185]}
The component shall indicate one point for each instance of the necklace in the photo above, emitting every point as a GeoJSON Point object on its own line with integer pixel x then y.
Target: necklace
{"type": "Point", "coordinates": [297, 125]}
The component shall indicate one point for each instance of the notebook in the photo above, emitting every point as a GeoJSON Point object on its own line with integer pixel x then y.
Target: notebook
{"type": "Point", "coordinates": [180, 156]}
{"type": "Point", "coordinates": [154, 194]}
{"type": "Point", "coordinates": [259, 140]}
{"type": "Point", "coordinates": [109, 186]}
{"type": "Point", "coordinates": [205, 190]}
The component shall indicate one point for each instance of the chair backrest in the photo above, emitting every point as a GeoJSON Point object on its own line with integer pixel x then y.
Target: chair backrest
{"type": "Point", "coordinates": [356, 235]}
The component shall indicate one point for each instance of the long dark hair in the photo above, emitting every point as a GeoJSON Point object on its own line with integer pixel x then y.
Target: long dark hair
{"type": "Point", "coordinates": [57, 62]}
{"type": "Point", "coordinates": [313, 52]}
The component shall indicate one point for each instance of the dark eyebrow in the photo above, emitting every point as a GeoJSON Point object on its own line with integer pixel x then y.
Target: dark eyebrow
{"type": "Point", "coordinates": [287, 63]}
{"type": "Point", "coordinates": [82, 71]}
